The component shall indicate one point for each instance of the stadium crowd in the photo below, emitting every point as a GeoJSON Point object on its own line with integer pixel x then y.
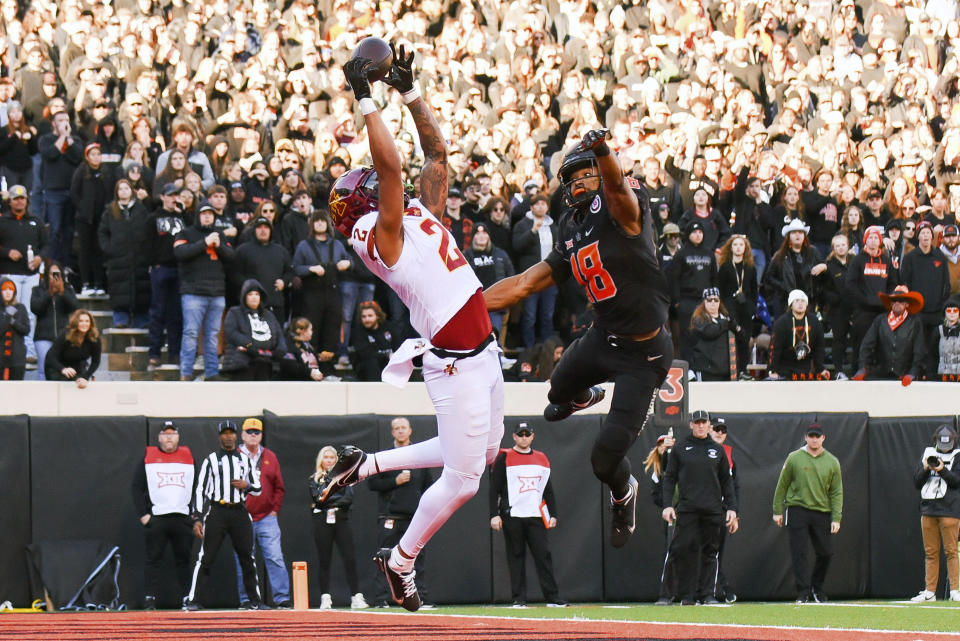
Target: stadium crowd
{"type": "Point", "coordinates": [799, 156]}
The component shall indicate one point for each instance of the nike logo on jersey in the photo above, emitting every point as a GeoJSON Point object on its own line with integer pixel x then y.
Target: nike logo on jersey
{"type": "Point", "coordinates": [653, 358]}
{"type": "Point", "coordinates": [588, 232]}
{"type": "Point", "coordinates": [688, 448]}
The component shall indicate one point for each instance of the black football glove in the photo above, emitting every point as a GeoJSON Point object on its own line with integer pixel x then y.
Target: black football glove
{"type": "Point", "coordinates": [356, 70]}
{"type": "Point", "coordinates": [593, 139]}
{"type": "Point", "coordinates": [401, 71]}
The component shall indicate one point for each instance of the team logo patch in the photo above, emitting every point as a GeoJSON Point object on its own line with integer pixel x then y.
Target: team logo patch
{"type": "Point", "coordinates": [595, 205]}
{"type": "Point", "coordinates": [337, 209]}
{"type": "Point", "coordinates": [712, 453]}
{"type": "Point", "coordinates": [165, 479]}
{"type": "Point", "coordinates": [568, 244]}
{"type": "Point", "coordinates": [529, 484]}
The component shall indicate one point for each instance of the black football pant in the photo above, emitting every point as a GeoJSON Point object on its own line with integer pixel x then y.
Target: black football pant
{"type": "Point", "coordinates": [694, 549]}
{"type": "Point", "coordinates": [807, 527]}
{"type": "Point", "coordinates": [520, 533]}
{"type": "Point", "coordinates": [222, 521]}
{"type": "Point", "coordinates": [325, 535]}
{"type": "Point", "coordinates": [389, 532]}
{"type": "Point", "coordinates": [637, 368]}
{"type": "Point", "coordinates": [178, 530]}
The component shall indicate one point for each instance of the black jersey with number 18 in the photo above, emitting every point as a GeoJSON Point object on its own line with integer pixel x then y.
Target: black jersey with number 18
{"type": "Point", "coordinates": [619, 272]}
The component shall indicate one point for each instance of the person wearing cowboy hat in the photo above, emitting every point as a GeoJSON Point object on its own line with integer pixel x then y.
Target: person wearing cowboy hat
{"type": "Point", "coordinates": [870, 273]}
{"type": "Point", "coordinates": [893, 346]}
{"type": "Point", "coordinates": [794, 266]}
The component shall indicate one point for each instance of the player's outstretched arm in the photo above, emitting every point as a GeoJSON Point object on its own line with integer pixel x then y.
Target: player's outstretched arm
{"type": "Point", "coordinates": [386, 160]}
{"type": "Point", "coordinates": [624, 205]}
{"type": "Point", "coordinates": [509, 291]}
{"type": "Point", "coordinates": [433, 176]}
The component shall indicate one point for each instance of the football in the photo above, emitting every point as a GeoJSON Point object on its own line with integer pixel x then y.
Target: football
{"type": "Point", "coordinates": [378, 52]}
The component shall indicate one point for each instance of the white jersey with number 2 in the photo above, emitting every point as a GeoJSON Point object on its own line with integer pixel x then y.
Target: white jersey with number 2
{"type": "Point", "coordinates": [431, 277]}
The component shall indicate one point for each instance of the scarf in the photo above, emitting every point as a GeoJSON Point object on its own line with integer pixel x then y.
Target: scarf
{"type": "Point", "coordinates": [896, 321]}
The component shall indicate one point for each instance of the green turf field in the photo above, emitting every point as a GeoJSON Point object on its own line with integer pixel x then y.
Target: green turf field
{"type": "Point", "coordinates": [943, 616]}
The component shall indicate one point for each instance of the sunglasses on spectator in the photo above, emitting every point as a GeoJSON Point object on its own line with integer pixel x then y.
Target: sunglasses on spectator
{"type": "Point", "coordinates": [909, 228]}
{"type": "Point", "coordinates": [712, 299]}
{"type": "Point", "coordinates": [952, 310]}
{"type": "Point", "coordinates": [268, 210]}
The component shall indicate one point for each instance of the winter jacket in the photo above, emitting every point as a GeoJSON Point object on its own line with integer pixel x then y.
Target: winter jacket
{"type": "Point", "coordinates": [490, 265]}
{"type": "Point", "coordinates": [202, 271]}
{"type": "Point", "coordinates": [162, 229]}
{"type": "Point", "coordinates": [272, 489]}
{"type": "Point", "coordinates": [939, 491]}
{"type": "Point", "coordinates": [250, 334]}
{"type": "Point", "coordinates": [265, 263]}
{"type": "Point", "coordinates": [312, 252]}
{"type": "Point", "coordinates": [399, 501]}
{"type": "Point", "coordinates": [788, 272]}
{"type": "Point", "coordinates": [732, 277]}
{"type": "Point", "coordinates": [15, 153]}
{"type": "Point", "coordinates": [752, 219]}
{"type": "Point", "coordinates": [833, 287]}
{"type": "Point", "coordinates": [868, 276]}
{"type": "Point", "coordinates": [698, 467]}
{"type": "Point", "coordinates": [20, 233]}
{"type": "Point", "coordinates": [716, 229]}
{"type": "Point", "coordinates": [14, 326]}
{"type": "Point", "coordinates": [52, 312]}
{"type": "Point", "coordinates": [294, 228]}
{"type": "Point", "coordinates": [889, 354]}
{"type": "Point", "coordinates": [711, 351]}
{"type": "Point", "coordinates": [90, 190]}
{"type": "Point", "coordinates": [927, 274]}
{"type": "Point", "coordinates": [84, 358]}
{"type": "Point", "coordinates": [526, 244]}
{"type": "Point", "coordinates": [123, 239]}
{"type": "Point", "coordinates": [370, 349]}
{"type": "Point", "coordinates": [943, 356]}
{"type": "Point", "coordinates": [341, 498]}
{"type": "Point", "coordinates": [58, 166]}
{"type": "Point", "coordinates": [783, 355]}
{"type": "Point", "coordinates": [692, 270]}
{"type": "Point", "coordinates": [823, 216]}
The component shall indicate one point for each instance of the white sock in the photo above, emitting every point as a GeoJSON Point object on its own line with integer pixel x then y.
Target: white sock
{"type": "Point", "coordinates": [368, 467]}
{"type": "Point", "coordinates": [399, 562]}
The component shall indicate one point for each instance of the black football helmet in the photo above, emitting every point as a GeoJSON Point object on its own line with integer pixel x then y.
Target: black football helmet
{"type": "Point", "coordinates": [577, 159]}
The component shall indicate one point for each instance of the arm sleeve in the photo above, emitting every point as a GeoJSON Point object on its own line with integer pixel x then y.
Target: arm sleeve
{"type": "Point", "coordinates": [253, 478]}
{"type": "Point", "coordinates": [141, 497]}
{"type": "Point", "coordinates": [783, 483]}
{"type": "Point", "coordinates": [498, 484]}
{"type": "Point", "coordinates": [21, 320]}
{"type": "Point", "coordinates": [199, 495]}
{"type": "Point", "coordinates": [836, 494]}
{"type": "Point", "coordinates": [95, 349]}
{"type": "Point", "coordinates": [869, 345]}
{"type": "Point", "coordinates": [40, 300]}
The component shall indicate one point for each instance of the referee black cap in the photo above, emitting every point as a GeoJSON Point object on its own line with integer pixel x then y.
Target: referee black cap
{"type": "Point", "coordinates": [228, 425]}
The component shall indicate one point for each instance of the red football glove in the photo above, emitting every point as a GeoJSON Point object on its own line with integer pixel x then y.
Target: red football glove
{"type": "Point", "coordinates": [860, 375]}
{"type": "Point", "coordinates": [906, 380]}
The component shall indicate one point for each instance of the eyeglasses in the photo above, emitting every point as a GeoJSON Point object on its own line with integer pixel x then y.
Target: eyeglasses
{"type": "Point", "coordinates": [909, 228]}
{"type": "Point", "coordinates": [254, 432]}
{"type": "Point", "coordinates": [524, 433]}
{"type": "Point", "coordinates": [712, 300]}
{"type": "Point", "coordinates": [952, 310]}
{"type": "Point", "coordinates": [268, 210]}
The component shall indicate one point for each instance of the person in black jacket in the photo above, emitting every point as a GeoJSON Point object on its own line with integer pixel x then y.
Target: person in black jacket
{"type": "Point", "coordinates": [75, 354]}
{"type": "Point", "coordinates": [14, 327]}
{"type": "Point", "coordinates": [691, 271]}
{"type": "Point", "coordinates": [925, 271]}
{"type": "Point", "coordinates": [794, 266]}
{"type": "Point", "coordinates": [52, 301]}
{"type": "Point", "coordinates": [399, 494]}
{"type": "Point", "coordinates": [253, 337]}
{"type": "Point", "coordinates": [201, 251]}
{"type": "Point", "coordinates": [737, 281]}
{"type": "Point", "coordinates": [61, 152]}
{"type": "Point", "coordinates": [533, 238]}
{"type": "Point", "coordinates": [123, 236]}
{"type": "Point", "coordinates": [166, 316]}
{"type": "Point", "coordinates": [712, 330]}
{"type": "Point", "coordinates": [301, 362]}
{"type": "Point", "coordinates": [893, 347]}
{"type": "Point", "coordinates": [490, 263]}
{"type": "Point", "coordinates": [822, 213]}
{"type": "Point", "coordinates": [268, 262]}
{"type": "Point", "coordinates": [837, 304]}
{"type": "Point", "coordinates": [331, 525]}
{"type": "Point", "coordinates": [698, 468]}
{"type": "Point", "coordinates": [796, 348]}
{"type": "Point", "coordinates": [295, 226]}
{"type": "Point", "coordinates": [938, 481]}
{"type": "Point", "coordinates": [871, 272]}
{"type": "Point", "coordinates": [90, 190]}
{"type": "Point", "coordinates": [753, 218]}
{"type": "Point", "coordinates": [319, 261]}
{"type": "Point", "coordinates": [372, 343]}
{"type": "Point", "coordinates": [716, 229]}
{"type": "Point", "coordinates": [18, 144]}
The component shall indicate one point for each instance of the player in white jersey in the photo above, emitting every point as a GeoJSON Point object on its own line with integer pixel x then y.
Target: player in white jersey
{"type": "Point", "coordinates": [406, 246]}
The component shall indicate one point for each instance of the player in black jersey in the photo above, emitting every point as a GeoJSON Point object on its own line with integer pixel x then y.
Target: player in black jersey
{"type": "Point", "coordinates": [606, 242]}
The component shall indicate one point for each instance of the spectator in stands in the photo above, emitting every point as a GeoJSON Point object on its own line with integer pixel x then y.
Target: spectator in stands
{"type": "Point", "coordinates": [714, 348]}
{"type": "Point", "coordinates": [331, 525]}
{"type": "Point", "coordinates": [852, 227]}
{"type": "Point", "coordinates": [950, 246]}
{"type": "Point", "coordinates": [52, 302]}
{"type": "Point", "coordinates": [372, 343]}
{"type": "Point", "coordinates": [893, 346]}
{"type": "Point", "coordinates": [200, 251]}
{"type": "Point", "coordinates": [18, 145]}
{"type": "Point", "coordinates": [870, 273]}
{"type": "Point", "coordinates": [62, 153]}
{"type": "Point", "coordinates": [166, 315]}
{"type": "Point", "coordinates": [91, 189]}
{"type": "Point", "coordinates": [494, 212]}
{"type": "Point", "coordinates": [14, 328]}
{"type": "Point", "coordinates": [796, 351]}
{"type": "Point", "coordinates": [533, 238]}
{"type": "Point", "coordinates": [837, 303]}
{"type": "Point", "coordinates": [943, 354]}
{"type": "Point", "coordinates": [266, 261]}
{"type": "Point", "coordinates": [253, 337]}
{"type": "Point", "coordinates": [295, 225]}
{"type": "Point", "coordinates": [793, 266]}
{"type": "Point", "coordinates": [693, 267]}
{"type": "Point", "coordinates": [183, 139]}
{"type": "Point", "coordinates": [173, 173]}
{"type": "Point", "coordinates": [737, 282]}
{"type": "Point", "coordinates": [301, 362]}
{"type": "Point", "coordinates": [715, 226]}
{"type": "Point", "coordinates": [23, 244]}
{"type": "Point", "coordinates": [925, 271]}
{"type": "Point", "coordinates": [753, 218]}
{"type": "Point", "coordinates": [123, 235]}
{"type": "Point", "coordinates": [939, 486]}
{"type": "Point", "coordinates": [669, 245]}
{"type": "Point", "coordinates": [319, 261]}
{"type": "Point", "coordinates": [75, 354]}
{"type": "Point", "coordinates": [490, 263]}
{"type": "Point", "coordinates": [822, 212]}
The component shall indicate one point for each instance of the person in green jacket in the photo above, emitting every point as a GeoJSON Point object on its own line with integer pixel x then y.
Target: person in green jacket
{"type": "Point", "coordinates": [809, 501]}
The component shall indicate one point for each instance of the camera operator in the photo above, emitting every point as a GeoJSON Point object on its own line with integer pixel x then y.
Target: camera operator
{"type": "Point", "coordinates": [166, 319]}
{"type": "Point", "coordinates": [939, 511]}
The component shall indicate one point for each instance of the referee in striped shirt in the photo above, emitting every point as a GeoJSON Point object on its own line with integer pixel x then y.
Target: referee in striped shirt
{"type": "Point", "coordinates": [226, 478]}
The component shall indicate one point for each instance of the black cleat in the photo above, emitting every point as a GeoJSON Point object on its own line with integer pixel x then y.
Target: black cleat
{"type": "Point", "coordinates": [560, 411]}
{"type": "Point", "coordinates": [191, 606]}
{"type": "Point", "coordinates": [344, 472]}
{"type": "Point", "coordinates": [710, 600]}
{"type": "Point", "coordinates": [665, 600]}
{"type": "Point", "coordinates": [624, 515]}
{"type": "Point", "coordinates": [149, 603]}
{"type": "Point", "coordinates": [403, 589]}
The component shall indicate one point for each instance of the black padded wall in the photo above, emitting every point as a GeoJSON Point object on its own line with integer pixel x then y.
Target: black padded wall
{"type": "Point", "coordinates": [15, 499]}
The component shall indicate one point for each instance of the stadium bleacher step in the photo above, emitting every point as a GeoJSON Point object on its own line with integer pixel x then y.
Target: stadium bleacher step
{"type": "Point", "coordinates": [95, 303]}
{"type": "Point", "coordinates": [103, 319]}
{"type": "Point", "coordinates": [116, 340]}
{"type": "Point", "coordinates": [131, 359]}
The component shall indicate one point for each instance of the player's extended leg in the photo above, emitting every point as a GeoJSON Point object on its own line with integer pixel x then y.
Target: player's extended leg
{"type": "Point", "coordinates": [583, 366]}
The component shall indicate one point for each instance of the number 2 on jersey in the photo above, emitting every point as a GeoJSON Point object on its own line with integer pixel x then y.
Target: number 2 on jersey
{"type": "Point", "coordinates": [589, 272]}
{"type": "Point", "coordinates": [451, 259]}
